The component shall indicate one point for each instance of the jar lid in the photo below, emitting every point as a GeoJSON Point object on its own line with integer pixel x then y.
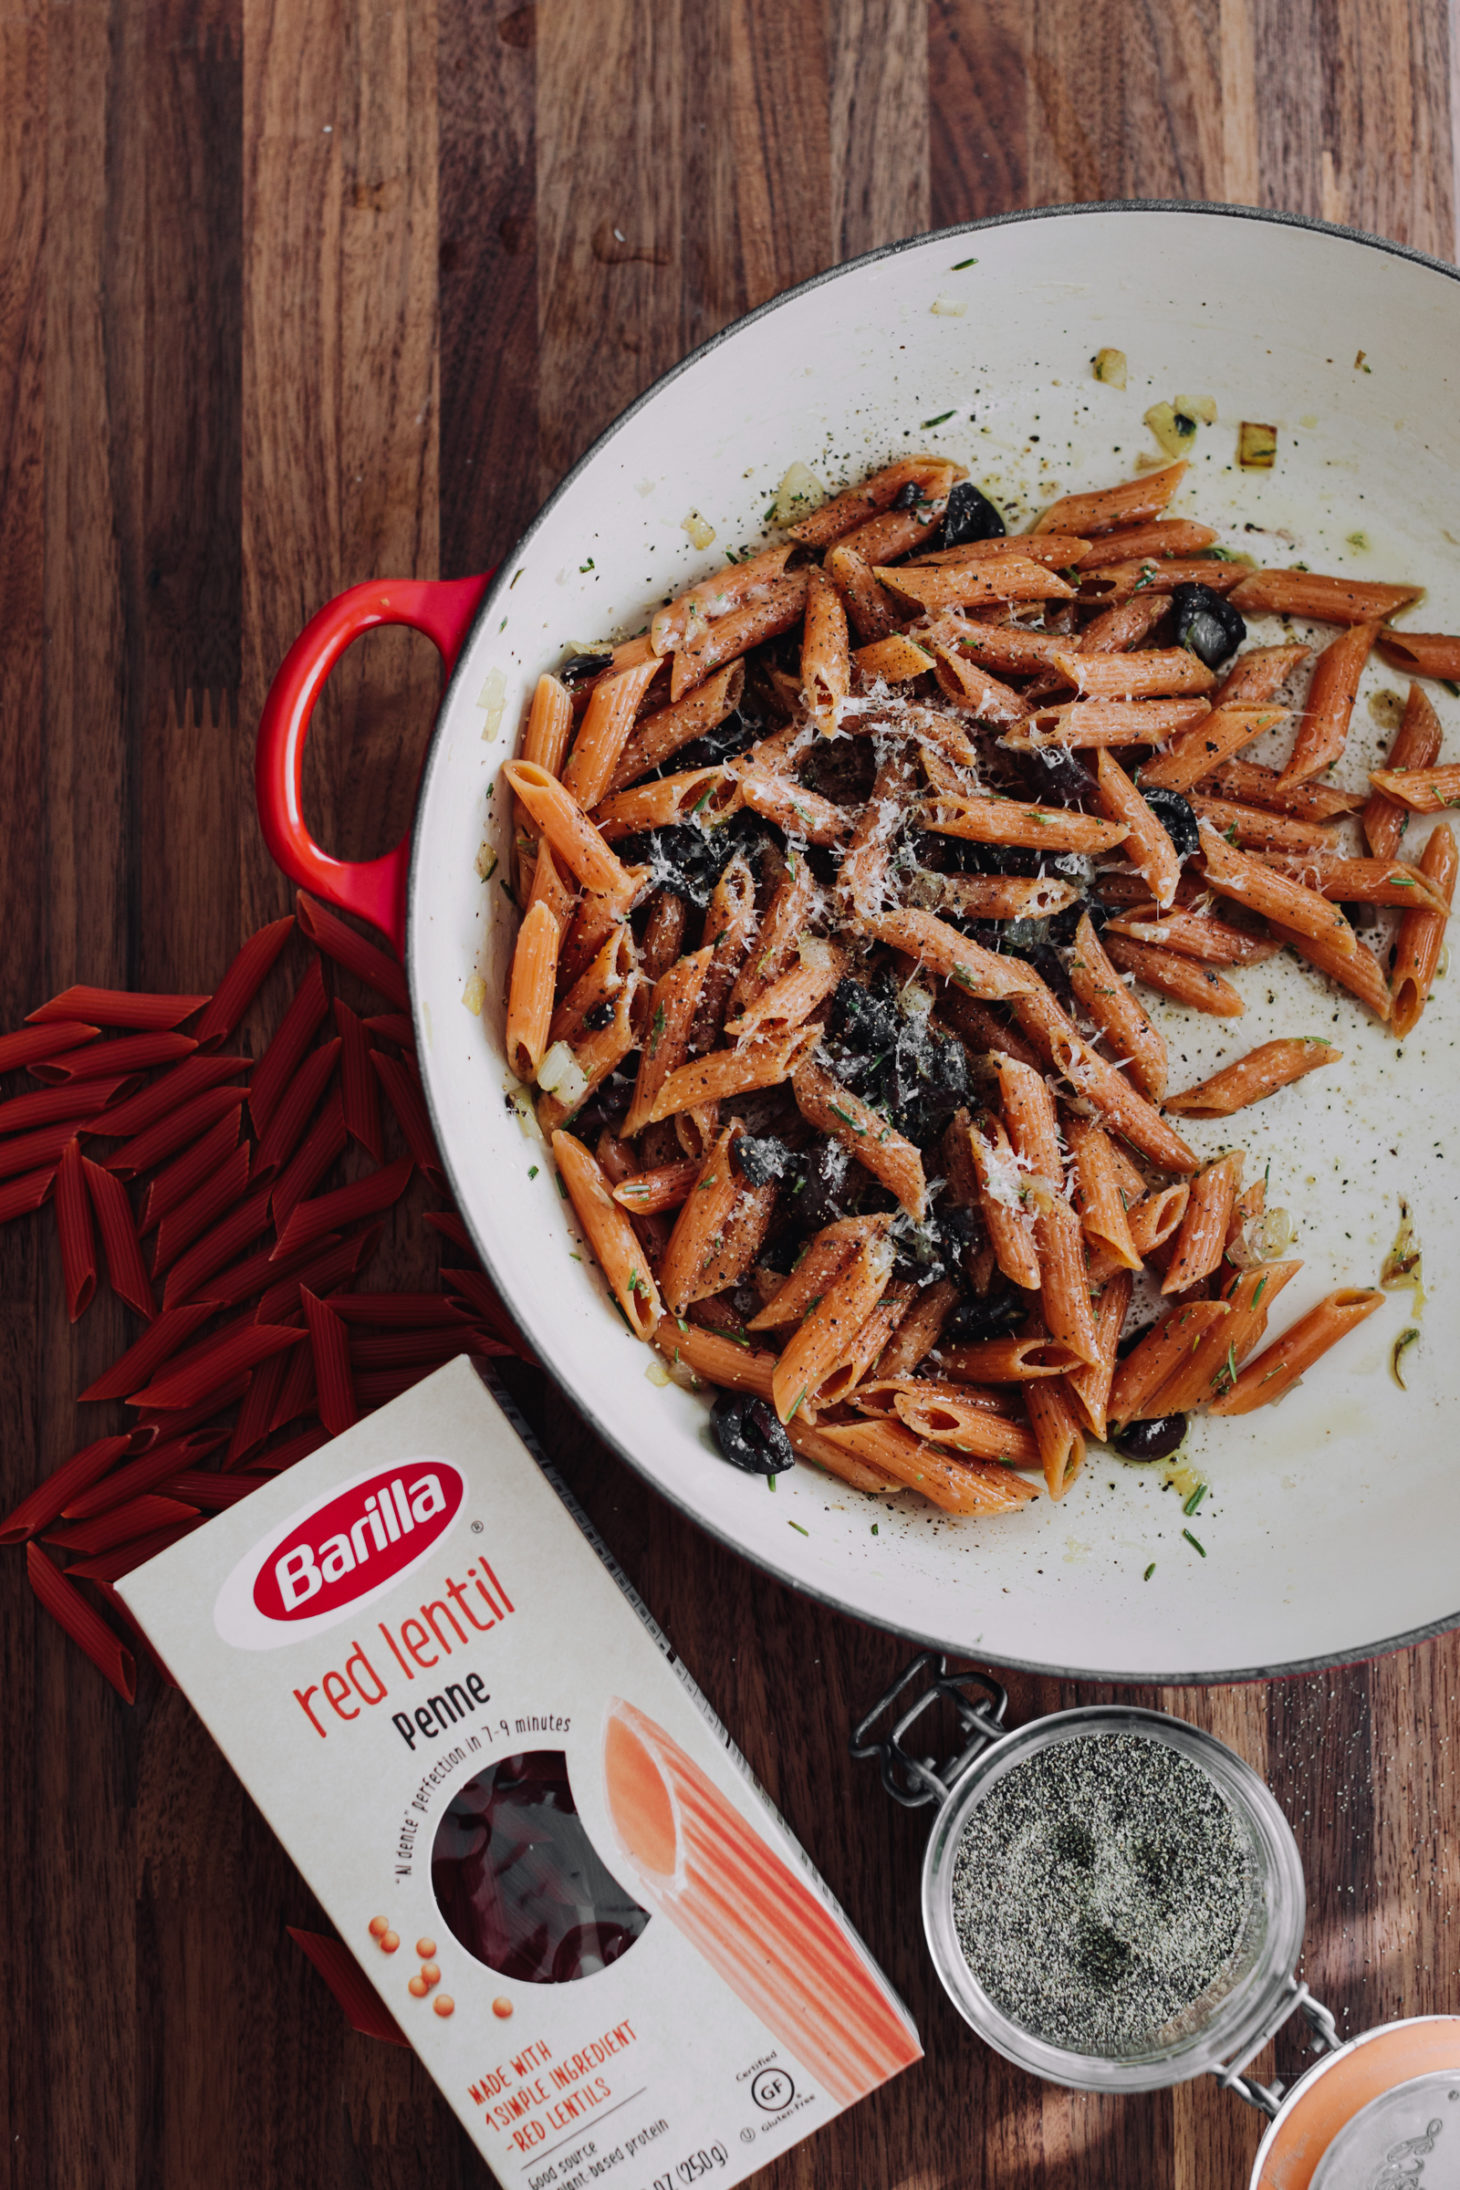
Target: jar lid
{"type": "Point", "coordinates": [1384, 2110]}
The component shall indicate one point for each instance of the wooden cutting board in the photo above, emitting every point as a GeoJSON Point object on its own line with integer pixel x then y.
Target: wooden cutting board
{"type": "Point", "coordinates": [295, 294]}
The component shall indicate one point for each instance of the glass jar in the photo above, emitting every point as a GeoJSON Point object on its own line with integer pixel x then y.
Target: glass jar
{"type": "Point", "coordinates": [1258, 1992]}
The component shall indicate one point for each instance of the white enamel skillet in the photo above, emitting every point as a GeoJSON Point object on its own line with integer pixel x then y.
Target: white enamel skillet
{"type": "Point", "coordinates": [1330, 1529]}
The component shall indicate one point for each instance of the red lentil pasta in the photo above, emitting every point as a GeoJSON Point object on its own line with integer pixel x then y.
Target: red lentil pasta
{"type": "Point", "coordinates": [855, 1103]}
{"type": "Point", "coordinates": [144, 1136]}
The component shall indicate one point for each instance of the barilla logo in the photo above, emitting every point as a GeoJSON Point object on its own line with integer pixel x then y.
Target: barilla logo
{"type": "Point", "coordinates": [329, 1559]}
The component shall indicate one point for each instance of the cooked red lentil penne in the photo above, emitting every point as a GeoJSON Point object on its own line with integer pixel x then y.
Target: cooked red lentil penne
{"type": "Point", "coordinates": [1416, 745]}
{"type": "Point", "coordinates": [1277, 1369]}
{"type": "Point", "coordinates": [859, 1166]}
{"type": "Point", "coordinates": [1260, 1073]}
{"type": "Point", "coordinates": [1329, 600]}
{"type": "Point", "coordinates": [1184, 980]}
{"type": "Point", "coordinates": [1422, 933]}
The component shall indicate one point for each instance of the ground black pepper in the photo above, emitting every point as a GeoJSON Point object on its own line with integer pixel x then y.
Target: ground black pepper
{"type": "Point", "coordinates": [1099, 1889]}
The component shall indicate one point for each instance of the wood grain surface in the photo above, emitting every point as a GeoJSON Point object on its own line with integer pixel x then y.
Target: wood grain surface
{"type": "Point", "coordinates": [297, 292]}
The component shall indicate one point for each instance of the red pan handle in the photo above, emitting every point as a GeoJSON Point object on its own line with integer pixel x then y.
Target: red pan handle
{"type": "Point", "coordinates": [375, 889]}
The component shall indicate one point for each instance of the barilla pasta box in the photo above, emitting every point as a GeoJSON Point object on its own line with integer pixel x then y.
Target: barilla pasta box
{"type": "Point", "coordinates": [520, 1815]}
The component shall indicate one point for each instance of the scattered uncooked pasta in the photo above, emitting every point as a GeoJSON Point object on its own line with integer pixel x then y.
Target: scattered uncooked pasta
{"type": "Point", "coordinates": [842, 888]}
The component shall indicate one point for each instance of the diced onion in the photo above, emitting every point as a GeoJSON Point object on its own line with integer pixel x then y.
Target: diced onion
{"type": "Point", "coordinates": [474, 995]}
{"type": "Point", "coordinates": [557, 1061]}
{"type": "Point", "coordinates": [948, 307]}
{"type": "Point", "coordinates": [701, 532]}
{"type": "Point", "coordinates": [658, 1372]}
{"type": "Point", "coordinates": [799, 493]}
{"type": "Point", "coordinates": [1109, 366]}
{"type": "Point", "coordinates": [492, 701]}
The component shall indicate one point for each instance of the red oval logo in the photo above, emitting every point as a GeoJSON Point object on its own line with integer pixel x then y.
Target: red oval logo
{"type": "Point", "coordinates": [359, 1540]}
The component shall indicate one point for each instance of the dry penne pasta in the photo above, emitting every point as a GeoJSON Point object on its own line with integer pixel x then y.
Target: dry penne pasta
{"type": "Point", "coordinates": [1329, 600]}
{"type": "Point", "coordinates": [1277, 1369]}
{"type": "Point", "coordinates": [1416, 745]}
{"type": "Point", "coordinates": [1260, 1073]}
{"type": "Point", "coordinates": [871, 1128]}
{"type": "Point", "coordinates": [1184, 980]}
{"type": "Point", "coordinates": [1422, 933]}
{"type": "Point", "coordinates": [1116, 1012]}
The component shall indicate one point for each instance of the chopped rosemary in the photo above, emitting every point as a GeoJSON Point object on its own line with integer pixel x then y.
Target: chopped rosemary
{"type": "Point", "coordinates": [1186, 1532]}
{"type": "Point", "coordinates": [798, 1528]}
{"type": "Point", "coordinates": [941, 420]}
{"type": "Point", "coordinates": [532, 1170]}
{"type": "Point", "coordinates": [1195, 1499]}
{"type": "Point", "coordinates": [1150, 1570]}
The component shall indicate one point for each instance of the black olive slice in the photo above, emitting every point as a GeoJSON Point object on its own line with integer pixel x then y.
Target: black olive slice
{"type": "Point", "coordinates": [748, 1434]}
{"type": "Point", "coordinates": [970, 516]}
{"type": "Point", "coordinates": [1153, 1440]}
{"type": "Point", "coordinates": [1176, 817]}
{"type": "Point", "coordinates": [1207, 623]}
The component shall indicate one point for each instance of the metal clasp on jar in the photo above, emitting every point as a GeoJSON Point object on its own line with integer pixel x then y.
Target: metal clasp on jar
{"type": "Point", "coordinates": [1268, 2098]}
{"type": "Point", "coordinates": [915, 1781]}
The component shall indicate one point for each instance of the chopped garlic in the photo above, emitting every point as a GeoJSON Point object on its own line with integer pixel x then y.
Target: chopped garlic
{"type": "Point", "coordinates": [658, 1372]}
{"type": "Point", "coordinates": [701, 533]}
{"type": "Point", "coordinates": [948, 307]}
{"type": "Point", "coordinates": [556, 1061]}
{"type": "Point", "coordinates": [799, 493]}
{"type": "Point", "coordinates": [1109, 366]}
{"type": "Point", "coordinates": [486, 861]}
{"type": "Point", "coordinates": [1173, 427]}
{"type": "Point", "coordinates": [492, 701]}
{"type": "Point", "coordinates": [474, 995]}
